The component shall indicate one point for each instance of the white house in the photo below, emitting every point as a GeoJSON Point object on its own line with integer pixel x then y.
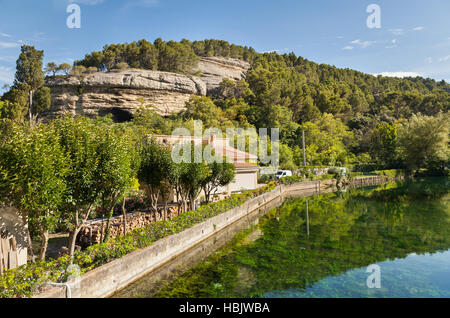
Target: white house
{"type": "Point", "coordinates": [245, 163]}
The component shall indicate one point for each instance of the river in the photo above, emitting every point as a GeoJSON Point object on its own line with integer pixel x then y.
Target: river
{"type": "Point", "coordinates": [391, 240]}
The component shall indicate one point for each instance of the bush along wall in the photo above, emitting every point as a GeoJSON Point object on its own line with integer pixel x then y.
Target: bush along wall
{"type": "Point", "coordinates": [32, 277]}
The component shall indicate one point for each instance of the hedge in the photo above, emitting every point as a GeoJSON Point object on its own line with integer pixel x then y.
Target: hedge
{"type": "Point", "coordinates": [31, 277]}
{"type": "Point", "coordinates": [291, 180]}
{"type": "Point", "coordinates": [389, 173]}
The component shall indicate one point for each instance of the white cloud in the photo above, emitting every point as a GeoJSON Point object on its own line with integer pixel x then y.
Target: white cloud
{"type": "Point", "coordinates": [7, 45]}
{"type": "Point", "coordinates": [419, 28]}
{"type": "Point", "coordinates": [397, 31]}
{"type": "Point", "coordinates": [6, 35]}
{"type": "Point", "coordinates": [429, 60]}
{"type": "Point", "coordinates": [393, 45]}
{"type": "Point", "coordinates": [6, 74]}
{"type": "Point", "coordinates": [339, 37]}
{"type": "Point", "coordinates": [444, 58]}
{"type": "Point", "coordinates": [280, 51]}
{"type": "Point", "coordinates": [348, 48]}
{"type": "Point", "coordinates": [362, 44]}
{"type": "Point", "coordinates": [87, 2]}
{"type": "Point", "coordinates": [398, 74]}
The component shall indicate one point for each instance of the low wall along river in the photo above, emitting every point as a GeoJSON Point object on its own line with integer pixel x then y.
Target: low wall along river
{"type": "Point", "coordinates": [161, 257]}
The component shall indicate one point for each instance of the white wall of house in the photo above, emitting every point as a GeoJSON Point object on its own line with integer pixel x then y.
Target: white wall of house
{"type": "Point", "coordinates": [13, 225]}
{"type": "Point", "coordinates": [244, 181]}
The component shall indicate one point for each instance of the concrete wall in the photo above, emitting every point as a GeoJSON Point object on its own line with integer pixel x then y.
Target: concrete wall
{"type": "Point", "coordinates": [110, 278]}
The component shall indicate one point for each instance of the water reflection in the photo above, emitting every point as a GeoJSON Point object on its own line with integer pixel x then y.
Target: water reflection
{"type": "Point", "coordinates": [307, 217]}
{"type": "Point", "coordinates": [321, 246]}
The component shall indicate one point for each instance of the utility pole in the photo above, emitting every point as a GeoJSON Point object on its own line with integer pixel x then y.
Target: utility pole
{"type": "Point", "coordinates": [304, 150]}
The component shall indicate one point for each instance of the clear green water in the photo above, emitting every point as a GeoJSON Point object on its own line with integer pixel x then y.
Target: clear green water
{"type": "Point", "coordinates": [403, 227]}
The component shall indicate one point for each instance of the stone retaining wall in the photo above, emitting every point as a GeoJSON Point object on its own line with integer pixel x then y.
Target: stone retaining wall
{"type": "Point", "coordinates": [92, 231]}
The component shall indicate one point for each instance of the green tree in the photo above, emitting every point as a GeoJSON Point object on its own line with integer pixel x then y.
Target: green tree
{"type": "Point", "coordinates": [99, 167]}
{"type": "Point", "coordinates": [156, 170]}
{"type": "Point", "coordinates": [115, 171]}
{"type": "Point", "coordinates": [29, 73]}
{"type": "Point", "coordinates": [175, 57]}
{"type": "Point", "coordinates": [189, 177]}
{"type": "Point", "coordinates": [78, 139]}
{"type": "Point", "coordinates": [220, 174]}
{"type": "Point", "coordinates": [65, 68]}
{"type": "Point", "coordinates": [122, 66]}
{"type": "Point", "coordinates": [78, 71]}
{"type": "Point", "coordinates": [51, 68]}
{"type": "Point", "coordinates": [424, 141]}
{"type": "Point", "coordinates": [383, 143]}
{"type": "Point", "coordinates": [287, 158]}
{"type": "Point", "coordinates": [42, 99]}
{"type": "Point", "coordinates": [203, 108]}
{"type": "Point", "coordinates": [33, 177]}
{"type": "Point", "coordinates": [326, 141]}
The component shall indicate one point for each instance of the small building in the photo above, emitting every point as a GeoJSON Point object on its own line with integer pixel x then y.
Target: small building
{"type": "Point", "coordinates": [246, 169]}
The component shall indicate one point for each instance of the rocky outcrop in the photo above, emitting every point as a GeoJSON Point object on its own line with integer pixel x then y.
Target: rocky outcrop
{"type": "Point", "coordinates": [122, 93]}
{"type": "Point", "coordinates": [215, 69]}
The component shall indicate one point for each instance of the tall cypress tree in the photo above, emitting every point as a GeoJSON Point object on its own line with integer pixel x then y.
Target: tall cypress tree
{"type": "Point", "coordinates": [29, 73]}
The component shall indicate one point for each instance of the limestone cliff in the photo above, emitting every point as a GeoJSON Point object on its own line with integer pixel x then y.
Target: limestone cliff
{"type": "Point", "coordinates": [120, 93]}
{"type": "Point", "coordinates": [215, 69]}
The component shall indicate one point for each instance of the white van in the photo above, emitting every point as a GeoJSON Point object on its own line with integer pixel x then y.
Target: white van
{"type": "Point", "coordinates": [283, 173]}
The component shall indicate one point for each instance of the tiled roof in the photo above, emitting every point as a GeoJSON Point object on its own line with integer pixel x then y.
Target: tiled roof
{"type": "Point", "coordinates": [220, 146]}
{"type": "Point", "coordinates": [245, 165]}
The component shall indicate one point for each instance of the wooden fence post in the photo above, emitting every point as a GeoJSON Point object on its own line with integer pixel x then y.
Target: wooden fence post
{"type": "Point", "coordinates": [5, 248]}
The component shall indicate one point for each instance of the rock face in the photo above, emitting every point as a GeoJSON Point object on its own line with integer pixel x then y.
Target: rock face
{"type": "Point", "coordinates": [121, 93]}
{"type": "Point", "coordinates": [215, 69]}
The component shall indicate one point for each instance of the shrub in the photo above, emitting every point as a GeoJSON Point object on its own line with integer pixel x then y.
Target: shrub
{"type": "Point", "coordinates": [120, 67]}
{"type": "Point", "coordinates": [334, 171]}
{"type": "Point", "coordinates": [291, 180]}
{"type": "Point", "coordinates": [354, 174]}
{"type": "Point", "coordinates": [264, 178]}
{"type": "Point", "coordinates": [389, 173]}
{"type": "Point", "coordinates": [325, 177]}
{"type": "Point", "coordinates": [306, 171]}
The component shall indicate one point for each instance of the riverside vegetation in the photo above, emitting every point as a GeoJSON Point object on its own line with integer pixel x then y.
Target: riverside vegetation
{"type": "Point", "coordinates": [61, 173]}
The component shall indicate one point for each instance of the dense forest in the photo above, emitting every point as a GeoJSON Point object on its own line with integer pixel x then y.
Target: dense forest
{"type": "Point", "coordinates": [348, 117]}
{"type": "Point", "coordinates": [343, 111]}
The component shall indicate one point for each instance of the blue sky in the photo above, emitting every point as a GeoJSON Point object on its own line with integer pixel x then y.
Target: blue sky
{"type": "Point", "coordinates": [414, 36]}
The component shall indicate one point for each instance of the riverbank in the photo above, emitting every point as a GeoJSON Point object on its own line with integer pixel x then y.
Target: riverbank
{"type": "Point", "coordinates": [111, 277]}
{"type": "Point", "coordinates": [322, 246]}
